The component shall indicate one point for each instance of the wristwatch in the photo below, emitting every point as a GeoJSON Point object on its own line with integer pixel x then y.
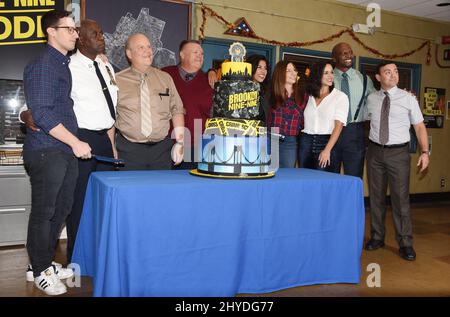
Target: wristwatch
{"type": "Point", "coordinates": [426, 152]}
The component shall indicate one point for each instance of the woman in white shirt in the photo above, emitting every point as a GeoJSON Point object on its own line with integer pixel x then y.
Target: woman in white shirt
{"type": "Point", "coordinates": [325, 115]}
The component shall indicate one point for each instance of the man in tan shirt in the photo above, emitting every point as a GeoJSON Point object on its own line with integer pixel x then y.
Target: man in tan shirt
{"type": "Point", "coordinates": [147, 101]}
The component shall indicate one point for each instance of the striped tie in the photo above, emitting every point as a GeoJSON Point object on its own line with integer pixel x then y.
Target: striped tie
{"type": "Point", "coordinates": [346, 90]}
{"type": "Point", "coordinates": [146, 115]}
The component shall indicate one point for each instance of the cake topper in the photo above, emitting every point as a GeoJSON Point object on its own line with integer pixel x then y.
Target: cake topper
{"type": "Point", "coordinates": [237, 52]}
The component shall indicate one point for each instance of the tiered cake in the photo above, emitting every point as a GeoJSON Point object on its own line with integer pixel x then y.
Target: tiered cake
{"type": "Point", "coordinates": [234, 142]}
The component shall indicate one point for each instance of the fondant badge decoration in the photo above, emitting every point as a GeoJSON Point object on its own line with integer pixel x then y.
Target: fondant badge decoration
{"type": "Point", "coordinates": [237, 52]}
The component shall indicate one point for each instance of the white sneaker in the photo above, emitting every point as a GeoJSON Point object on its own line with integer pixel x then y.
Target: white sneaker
{"type": "Point", "coordinates": [60, 271]}
{"type": "Point", "coordinates": [49, 282]}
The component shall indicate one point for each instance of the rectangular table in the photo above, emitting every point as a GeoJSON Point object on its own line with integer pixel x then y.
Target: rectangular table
{"type": "Point", "coordinates": [167, 233]}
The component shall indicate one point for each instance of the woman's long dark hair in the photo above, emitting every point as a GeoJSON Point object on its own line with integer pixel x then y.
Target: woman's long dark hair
{"type": "Point", "coordinates": [314, 81]}
{"type": "Point", "coordinates": [279, 93]}
{"type": "Point", "coordinates": [254, 59]}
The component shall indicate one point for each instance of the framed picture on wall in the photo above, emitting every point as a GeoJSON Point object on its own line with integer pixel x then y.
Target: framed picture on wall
{"type": "Point", "coordinates": [166, 23]}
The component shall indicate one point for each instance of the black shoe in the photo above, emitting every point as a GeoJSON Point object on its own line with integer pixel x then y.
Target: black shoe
{"type": "Point", "coordinates": [407, 253]}
{"type": "Point", "coordinates": [373, 244]}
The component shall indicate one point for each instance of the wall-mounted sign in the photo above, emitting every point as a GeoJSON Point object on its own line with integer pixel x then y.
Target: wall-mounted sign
{"type": "Point", "coordinates": [21, 36]}
{"type": "Point", "coordinates": [434, 107]}
{"type": "Point", "coordinates": [20, 20]}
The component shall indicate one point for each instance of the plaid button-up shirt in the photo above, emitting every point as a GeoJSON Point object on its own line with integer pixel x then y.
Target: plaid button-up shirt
{"type": "Point", "coordinates": [47, 85]}
{"type": "Point", "coordinates": [288, 117]}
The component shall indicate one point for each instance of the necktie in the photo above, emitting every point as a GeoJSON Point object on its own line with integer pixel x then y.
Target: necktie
{"type": "Point", "coordinates": [384, 119]}
{"type": "Point", "coordinates": [346, 90]}
{"type": "Point", "coordinates": [146, 116]}
{"type": "Point", "coordinates": [188, 77]}
{"type": "Point", "coordinates": [105, 91]}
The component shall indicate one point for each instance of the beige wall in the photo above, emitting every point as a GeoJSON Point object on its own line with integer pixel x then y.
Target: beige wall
{"type": "Point", "coordinates": [284, 20]}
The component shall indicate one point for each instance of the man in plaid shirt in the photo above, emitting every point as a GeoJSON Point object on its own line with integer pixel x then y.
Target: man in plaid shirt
{"type": "Point", "coordinates": [50, 153]}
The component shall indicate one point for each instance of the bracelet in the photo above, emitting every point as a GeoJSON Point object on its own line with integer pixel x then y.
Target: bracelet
{"type": "Point", "coordinates": [426, 152]}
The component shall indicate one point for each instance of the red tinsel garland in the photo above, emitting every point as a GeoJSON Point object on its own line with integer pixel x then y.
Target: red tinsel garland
{"type": "Point", "coordinates": [206, 10]}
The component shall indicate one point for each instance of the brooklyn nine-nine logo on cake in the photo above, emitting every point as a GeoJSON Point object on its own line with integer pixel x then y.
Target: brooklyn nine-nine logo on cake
{"type": "Point", "coordinates": [236, 95]}
{"type": "Point", "coordinates": [235, 143]}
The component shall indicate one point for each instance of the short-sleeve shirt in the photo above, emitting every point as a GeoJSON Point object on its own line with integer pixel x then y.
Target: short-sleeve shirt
{"type": "Point", "coordinates": [165, 102]}
{"type": "Point", "coordinates": [403, 112]}
{"type": "Point", "coordinates": [90, 105]}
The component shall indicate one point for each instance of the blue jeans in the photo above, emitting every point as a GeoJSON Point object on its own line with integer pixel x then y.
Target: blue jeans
{"type": "Point", "coordinates": [288, 151]}
{"type": "Point", "coordinates": [53, 176]}
{"type": "Point", "coordinates": [310, 147]}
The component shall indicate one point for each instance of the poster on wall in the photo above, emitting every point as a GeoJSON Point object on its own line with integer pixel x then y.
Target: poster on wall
{"type": "Point", "coordinates": [21, 37]}
{"type": "Point", "coordinates": [434, 107]}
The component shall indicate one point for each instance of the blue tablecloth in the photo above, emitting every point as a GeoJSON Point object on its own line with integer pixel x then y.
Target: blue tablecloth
{"type": "Point", "coordinates": [167, 233]}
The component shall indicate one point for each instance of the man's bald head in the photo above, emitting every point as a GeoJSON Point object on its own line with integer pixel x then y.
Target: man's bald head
{"type": "Point", "coordinates": [85, 25]}
{"type": "Point", "coordinates": [91, 41]}
{"type": "Point", "coordinates": [139, 51]}
{"type": "Point", "coordinates": [342, 55]}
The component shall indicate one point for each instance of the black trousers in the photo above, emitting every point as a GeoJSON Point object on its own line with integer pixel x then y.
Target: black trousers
{"type": "Point", "coordinates": [53, 175]}
{"type": "Point", "coordinates": [389, 166]}
{"type": "Point", "coordinates": [350, 149]}
{"type": "Point", "coordinates": [100, 145]}
{"type": "Point", "coordinates": [144, 156]}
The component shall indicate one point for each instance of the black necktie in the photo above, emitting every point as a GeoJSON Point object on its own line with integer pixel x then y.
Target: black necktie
{"type": "Point", "coordinates": [105, 91]}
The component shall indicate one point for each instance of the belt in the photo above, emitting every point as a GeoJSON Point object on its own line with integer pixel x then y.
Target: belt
{"type": "Point", "coordinates": [355, 123]}
{"type": "Point", "coordinates": [95, 131]}
{"type": "Point", "coordinates": [389, 146]}
{"type": "Point", "coordinates": [142, 143]}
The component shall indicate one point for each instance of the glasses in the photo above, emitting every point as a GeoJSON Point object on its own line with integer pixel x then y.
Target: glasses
{"type": "Point", "coordinates": [70, 29]}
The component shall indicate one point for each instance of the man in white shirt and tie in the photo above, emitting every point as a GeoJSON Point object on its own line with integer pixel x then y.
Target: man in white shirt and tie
{"type": "Point", "coordinates": [391, 111]}
{"type": "Point", "coordinates": [94, 93]}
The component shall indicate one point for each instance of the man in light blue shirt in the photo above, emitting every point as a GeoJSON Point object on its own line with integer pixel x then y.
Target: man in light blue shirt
{"type": "Point", "coordinates": [391, 112]}
{"type": "Point", "coordinates": [350, 148]}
